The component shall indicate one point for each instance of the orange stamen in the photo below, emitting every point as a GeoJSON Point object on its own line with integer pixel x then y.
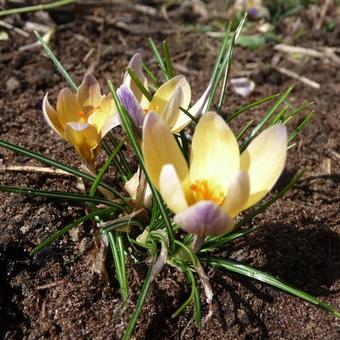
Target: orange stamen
{"type": "Point", "coordinates": [203, 191]}
{"type": "Point", "coordinates": [84, 116]}
{"type": "Point", "coordinates": [152, 108]}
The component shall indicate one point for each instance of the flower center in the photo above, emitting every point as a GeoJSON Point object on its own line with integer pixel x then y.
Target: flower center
{"type": "Point", "coordinates": [87, 112]}
{"type": "Point", "coordinates": [151, 108]}
{"type": "Point", "coordinates": [202, 190]}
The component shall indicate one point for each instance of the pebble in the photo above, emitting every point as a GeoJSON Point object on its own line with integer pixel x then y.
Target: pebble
{"type": "Point", "coordinates": [12, 84]}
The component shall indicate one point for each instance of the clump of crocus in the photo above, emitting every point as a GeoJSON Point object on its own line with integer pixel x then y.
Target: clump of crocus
{"type": "Point", "coordinates": [220, 183]}
{"type": "Point", "coordinates": [166, 102]}
{"type": "Point", "coordinates": [83, 118]}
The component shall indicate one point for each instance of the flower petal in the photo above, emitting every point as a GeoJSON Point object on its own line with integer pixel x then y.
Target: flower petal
{"type": "Point", "coordinates": [264, 160]}
{"type": "Point", "coordinates": [165, 92]}
{"type": "Point", "coordinates": [136, 64]}
{"type": "Point", "coordinates": [199, 107]}
{"type": "Point", "coordinates": [88, 93]}
{"type": "Point", "coordinates": [204, 218]}
{"type": "Point", "coordinates": [105, 117]}
{"type": "Point", "coordinates": [84, 137]}
{"type": "Point", "coordinates": [171, 110]}
{"type": "Point", "coordinates": [160, 148]}
{"type": "Point", "coordinates": [131, 104]}
{"type": "Point", "coordinates": [171, 189]}
{"type": "Point", "coordinates": [238, 194]}
{"type": "Point", "coordinates": [51, 117]}
{"type": "Point", "coordinates": [109, 108]}
{"type": "Point", "coordinates": [68, 110]}
{"type": "Point", "coordinates": [215, 154]}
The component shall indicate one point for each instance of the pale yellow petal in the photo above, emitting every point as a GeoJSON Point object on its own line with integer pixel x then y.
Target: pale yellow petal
{"type": "Point", "coordinates": [171, 189]}
{"type": "Point", "coordinates": [160, 148]}
{"type": "Point", "coordinates": [88, 94]}
{"type": "Point", "coordinates": [51, 117]}
{"type": "Point", "coordinates": [105, 117]}
{"type": "Point", "coordinates": [238, 195]}
{"type": "Point", "coordinates": [264, 160]}
{"type": "Point", "coordinates": [215, 153]}
{"type": "Point", "coordinates": [165, 92]}
{"type": "Point", "coordinates": [172, 110]}
{"type": "Point", "coordinates": [136, 64]}
{"type": "Point", "coordinates": [84, 138]}
{"type": "Point", "coordinates": [68, 110]}
{"type": "Point", "coordinates": [198, 108]}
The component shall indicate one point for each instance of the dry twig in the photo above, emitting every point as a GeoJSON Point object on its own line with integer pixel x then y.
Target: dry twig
{"type": "Point", "coordinates": [296, 76]}
{"type": "Point", "coordinates": [28, 168]}
{"type": "Point", "coordinates": [319, 23]}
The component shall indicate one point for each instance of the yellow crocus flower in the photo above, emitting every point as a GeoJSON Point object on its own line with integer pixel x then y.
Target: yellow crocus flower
{"type": "Point", "coordinates": [220, 183]}
{"type": "Point", "coordinates": [83, 118]}
{"type": "Point", "coordinates": [166, 101]}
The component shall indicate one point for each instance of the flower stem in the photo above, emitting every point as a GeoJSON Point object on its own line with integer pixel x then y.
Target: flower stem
{"type": "Point", "coordinates": [197, 243]}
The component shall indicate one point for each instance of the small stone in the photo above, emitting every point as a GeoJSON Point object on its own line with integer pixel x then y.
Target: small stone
{"type": "Point", "coordinates": [12, 84]}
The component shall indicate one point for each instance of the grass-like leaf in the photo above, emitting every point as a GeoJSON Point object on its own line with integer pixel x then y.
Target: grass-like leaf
{"type": "Point", "coordinates": [250, 106]}
{"type": "Point", "coordinates": [167, 58]}
{"type": "Point", "coordinates": [140, 85]}
{"type": "Point", "coordinates": [221, 64]}
{"type": "Point", "coordinates": [243, 131]}
{"type": "Point", "coordinates": [269, 279]}
{"type": "Point", "coordinates": [120, 223]}
{"type": "Point", "coordinates": [67, 196]}
{"type": "Point", "coordinates": [34, 8]}
{"type": "Point", "coordinates": [103, 170]}
{"type": "Point", "coordinates": [159, 59]}
{"type": "Point", "coordinates": [117, 248]}
{"type": "Point", "coordinates": [121, 157]}
{"type": "Point", "coordinates": [292, 136]}
{"type": "Point", "coordinates": [140, 301]}
{"type": "Point", "coordinates": [69, 227]}
{"type": "Point", "coordinates": [262, 122]}
{"type": "Point", "coordinates": [56, 62]}
{"type": "Point", "coordinates": [151, 75]}
{"type": "Point", "coordinates": [58, 165]}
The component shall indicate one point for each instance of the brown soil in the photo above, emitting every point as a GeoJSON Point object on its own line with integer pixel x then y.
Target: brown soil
{"type": "Point", "coordinates": [55, 294]}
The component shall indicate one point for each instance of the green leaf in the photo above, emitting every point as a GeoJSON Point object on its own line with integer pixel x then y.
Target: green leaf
{"type": "Point", "coordinates": [250, 106]}
{"type": "Point", "coordinates": [140, 302]}
{"type": "Point", "coordinates": [67, 196]}
{"type": "Point", "coordinates": [118, 255]}
{"type": "Point", "coordinates": [103, 170]}
{"type": "Point", "coordinates": [221, 65]}
{"type": "Point", "coordinates": [269, 279]}
{"type": "Point", "coordinates": [292, 136]}
{"type": "Point", "coordinates": [258, 127]}
{"type": "Point", "coordinates": [151, 75]}
{"type": "Point", "coordinates": [58, 165]}
{"type": "Point", "coordinates": [56, 62]}
{"type": "Point", "coordinates": [167, 57]}
{"type": "Point", "coordinates": [69, 227]}
{"type": "Point", "coordinates": [34, 8]}
{"type": "Point", "coordinates": [140, 85]}
{"type": "Point", "coordinates": [159, 59]}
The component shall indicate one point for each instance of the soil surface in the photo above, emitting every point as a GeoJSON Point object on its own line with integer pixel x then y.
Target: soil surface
{"type": "Point", "coordinates": [55, 294]}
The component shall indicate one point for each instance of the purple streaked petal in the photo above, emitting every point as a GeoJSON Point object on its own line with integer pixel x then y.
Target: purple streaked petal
{"type": "Point", "coordinates": [204, 218]}
{"type": "Point", "coordinates": [131, 104]}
